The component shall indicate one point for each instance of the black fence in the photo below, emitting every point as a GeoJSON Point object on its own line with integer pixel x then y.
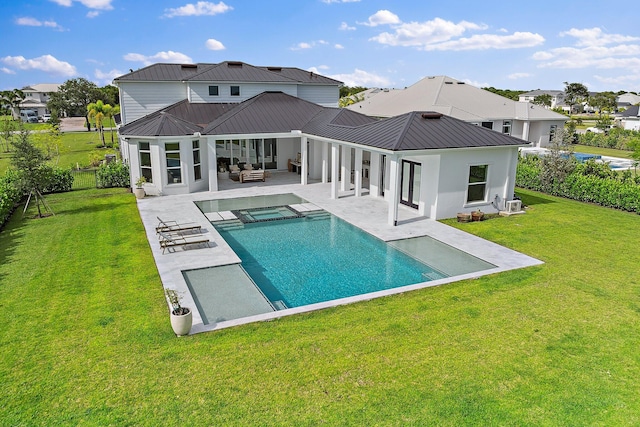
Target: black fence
{"type": "Point", "coordinates": [84, 179]}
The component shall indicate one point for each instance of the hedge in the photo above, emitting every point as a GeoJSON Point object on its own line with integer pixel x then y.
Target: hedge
{"type": "Point", "coordinates": [587, 184]}
{"type": "Point", "coordinates": [9, 195]}
{"type": "Point", "coordinates": [616, 138]}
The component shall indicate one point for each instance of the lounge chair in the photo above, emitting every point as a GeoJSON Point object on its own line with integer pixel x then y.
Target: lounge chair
{"type": "Point", "coordinates": [175, 227]}
{"type": "Point", "coordinates": [252, 175]}
{"type": "Point", "coordinates": [168, 241]}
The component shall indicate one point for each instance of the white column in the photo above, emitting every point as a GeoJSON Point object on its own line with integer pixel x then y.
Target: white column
{"type": "Point", "coordinates": [335, 164]}
{"type": "Point", "coordinates": [357, 176]}
{"type": "Point", "coordinates": [394, 189]}
{"type": "Point", "coordinates": [345, 168]}
{"type": "Point", "coordinates": [213, 164]}
{"type": "Point", "coordinates": [304, 167]}
{"type": "Point", "coordinates": [525, 131]}
{"type": "Point", "coordinates": [374, 175]}
{"type": "Point", "coordinates": [325, 162]}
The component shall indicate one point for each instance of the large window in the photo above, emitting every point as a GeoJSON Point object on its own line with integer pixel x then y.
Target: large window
{"type": "Point", "coordinates": [235, 90]}
{"type": "Point", "coordinates": [477, 188]}
{"type": "Point", "coordinates": [197, 169]}
{"type": "Point", "coordinates": [506, 127]}
{"type": "Point", "coordinates": [552, 132]}
{"type": "Point", "coordinates": [213, 90]}
{"type": "Point", "coordinates": [145, 161]}
{"type": "Point", "coordinates": [174, 170]}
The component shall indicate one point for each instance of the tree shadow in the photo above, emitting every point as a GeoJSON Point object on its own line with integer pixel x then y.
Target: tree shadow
{"type": "Point", "coordinates": [531, 199]}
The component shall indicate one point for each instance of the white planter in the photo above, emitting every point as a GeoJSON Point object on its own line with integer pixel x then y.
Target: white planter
{"type": "Point", "coordinates": [181, 324]}
{"type": "Point", "coordinates": [139, 192]}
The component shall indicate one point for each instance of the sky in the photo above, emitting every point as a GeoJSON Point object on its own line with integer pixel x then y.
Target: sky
{"type": "Point", "coordinates": [371, 43]}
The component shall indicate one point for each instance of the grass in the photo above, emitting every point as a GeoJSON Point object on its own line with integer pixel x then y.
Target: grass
{"type": "Point", "coordinates": [86, 336]}
{"type": "Point", "coordinates": [612, 152]}
{"type": "Point", "coordinates": [76, 148]}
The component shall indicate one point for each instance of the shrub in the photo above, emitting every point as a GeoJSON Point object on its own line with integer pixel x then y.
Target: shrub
{"type": "Point", "coordinates": [60, 181]}
{"type": "Point", "coordinates": [9, 195]}
{"type": "Point", "coordinates": [114, 174]}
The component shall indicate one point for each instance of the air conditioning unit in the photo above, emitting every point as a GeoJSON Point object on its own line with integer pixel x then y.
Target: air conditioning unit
{"type": "Point", "coordinates": [513, 206]}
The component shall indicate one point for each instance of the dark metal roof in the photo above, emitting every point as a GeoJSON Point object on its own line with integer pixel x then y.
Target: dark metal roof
{"type": "Point", "coordinates": [631, 112]}
{"type": "Point", "coordinates": [268, 112]}
{"type": "Point", "coordinates": [160, 123]}
{"type": "Point", "coordinates": [277, 112]}
{"type": "Point", "coordinates": [228, 71]}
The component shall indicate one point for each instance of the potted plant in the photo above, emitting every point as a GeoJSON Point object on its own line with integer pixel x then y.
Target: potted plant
{"type": "Point", "coordinates": [181, 317]}
{"type": "Point", "coordinates": [477, 215]}
{"type": "Point", "coordinates": [139, 191]}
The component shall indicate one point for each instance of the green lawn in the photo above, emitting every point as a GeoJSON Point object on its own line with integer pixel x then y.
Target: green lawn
{"type": "Point", "coordinates": [612, 152]}
{"type": "Point", "coordinates": [86, 338]}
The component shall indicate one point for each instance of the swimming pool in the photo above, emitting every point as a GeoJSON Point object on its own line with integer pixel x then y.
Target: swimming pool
{"type": "Point", "coordinates": [307, 260]}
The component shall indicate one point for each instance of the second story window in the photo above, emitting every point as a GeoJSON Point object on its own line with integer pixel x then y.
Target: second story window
{"type": "Point", "coordinates": [213, 90]}
{"type": "Point", "coordinates": [235, 90]}
{"type": "Point", "coordinates": [506, 127]}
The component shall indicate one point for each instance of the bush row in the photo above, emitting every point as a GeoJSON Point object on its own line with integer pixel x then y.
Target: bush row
{"type": "Point", "coordinates": [621, 139]}
{"type": "Point", "coordinates": [9, 195]}
{"type": "Point", "coordinates": [588, 182]}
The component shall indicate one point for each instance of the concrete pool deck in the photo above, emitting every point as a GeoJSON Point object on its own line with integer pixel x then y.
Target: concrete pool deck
{"type": "Point", "coordinates": [367, 213]}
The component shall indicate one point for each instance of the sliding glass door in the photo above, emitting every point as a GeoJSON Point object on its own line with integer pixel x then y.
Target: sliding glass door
{"type": "Point", "coordinates": [410, 183]}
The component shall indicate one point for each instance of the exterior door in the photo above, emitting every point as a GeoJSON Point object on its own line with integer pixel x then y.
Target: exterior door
{"type": "Point", "coordinates": [410, 183]}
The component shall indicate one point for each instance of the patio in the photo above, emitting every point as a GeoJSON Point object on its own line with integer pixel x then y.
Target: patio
{"type": "Point", "coordinates": [368, 213]}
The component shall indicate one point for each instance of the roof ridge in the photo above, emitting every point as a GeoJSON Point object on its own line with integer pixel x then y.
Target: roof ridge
{"type": "Point", "coordinates": [211, 66]}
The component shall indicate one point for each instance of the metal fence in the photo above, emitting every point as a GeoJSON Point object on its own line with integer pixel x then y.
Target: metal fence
{"type": "Point", "coordinates": [84, 179]}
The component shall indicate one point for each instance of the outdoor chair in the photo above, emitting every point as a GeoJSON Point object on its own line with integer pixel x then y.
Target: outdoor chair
{"type": "Point", "coordinates": [175, 227]}
{"type": "Point", "coordinates": [168, 241]}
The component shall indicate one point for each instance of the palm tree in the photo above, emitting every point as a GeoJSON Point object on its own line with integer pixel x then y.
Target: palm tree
{"type": "Point", "coordinates": [98, 111]}
{"type": "Point", "coordinates": [112, 111]}
{"type": "Point", "coordinates": [12, 98]}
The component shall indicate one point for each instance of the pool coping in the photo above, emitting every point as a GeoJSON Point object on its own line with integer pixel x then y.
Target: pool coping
{"type": "Point", "coordinates": [365, 212]}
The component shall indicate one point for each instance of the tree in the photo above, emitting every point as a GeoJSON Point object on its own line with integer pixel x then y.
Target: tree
{"type": "Point", "coordinates": [13, 98]}
{"type": "Point", "coordinates": [110, 95]}
{"type": "Point", "coordinates": [507, 93]}
{"type": "Point", "coordinates": [73, 97]}
{"type": "Point", "coordinates": [98, 111]}
{"type": "Point", "coordinates": [351, 90]}
{"type": "Point", "coordinates": [558, 163]}
{"type": "Point", "coordinates": [6, 130]}
{"type": "Point", "coordinates": [109, 115]}
{"type": "Point", "coordinates": [603, 101]}
{"type": "Point", "coordinates": [575, 93]}
{"type": "Point", "coordinates": [544, 100]}
{"type": "Point", "coordinates": [35, 175]}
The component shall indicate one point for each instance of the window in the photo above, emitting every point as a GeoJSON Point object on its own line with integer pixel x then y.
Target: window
{"type": "Point", "coordinates": [477, 188]}
{"type": "Point", "coordinates": [506, 127]}
{"type": "Point", "coordinates": [488, 125]}
{"type": "Point", "coordinates": [145, 161]}
{"type": "Point", "coordinates": [235, 90]}
{"type": "Point", "coordinates": [552, 132]}
{"type": "Point", "coordinates": [174, 171]}
{"type": "Point", "coordinates": [213, 90]}
{"type": "Point", "coordinates": [197, 169]}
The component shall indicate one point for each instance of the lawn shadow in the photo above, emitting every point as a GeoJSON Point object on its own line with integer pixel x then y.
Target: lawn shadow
{"type": "Point", "coordinates": [531, 200]}
{"type": "Point", "coordinates": [10, 235]}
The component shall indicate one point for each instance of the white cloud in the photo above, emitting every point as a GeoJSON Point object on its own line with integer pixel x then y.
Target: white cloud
{"type": "Point", "coordinates": [345, 27]}
{"type": "Point", "coordinates": [7, 71]}
{"type": "Point", "coordinates": [362, 78]}
{"type": "Point", "coordinates": [198, 9]}
{"type": "Point", "coordinates": [91, 4]}
{"type": "Point", "coordinates": [593, 49]}
{"type": "Point", "coordinates": [620, 81]}
{"type": "Point", "coordinates": [46, 63]}
{"type": "Point", "coordinates": [338, 46]}
{"type": "Point", "coordinates": [107, 77]}
{"type": "Point", "coordinates": [516, 76]}
{"type": "Point", "coordinates": [33, 22]}
{"type": "Point", "coordinates": [213, 44]}
{"type": "Point", "coordinates": [92, 14]}
{"type": "Point", "coordinates": [489, 41]}
{"type": "Point", "coordinates": [168, 56]}
{"type": "Point", "coordinates": [302, 46]}
{"type": "Point", "coordinates": [382, 17]}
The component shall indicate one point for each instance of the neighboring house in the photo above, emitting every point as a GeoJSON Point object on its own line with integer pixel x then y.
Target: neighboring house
{"type": "Point", "coordinates": [37, 96]}
{"type": "Point", "coordinates": [433, 163]}
{"type": "Point", "coordinates": [627, 100]}
{"type": "Point", "coordinates": [557, 97]}
{"type": "Point", "coordinates": [630, 118]}
{"type": "Point", "coordinates": [530, 122]}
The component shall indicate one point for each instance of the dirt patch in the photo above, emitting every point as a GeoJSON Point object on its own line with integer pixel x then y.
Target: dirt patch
{"type": "Point", "coordinates": [72, 124]}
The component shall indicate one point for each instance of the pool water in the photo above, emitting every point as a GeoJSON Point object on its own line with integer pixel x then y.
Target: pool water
{"type": "Point", "coordinates": [319, 258]}
{"type": "Point", "coordinates": [265, 214]}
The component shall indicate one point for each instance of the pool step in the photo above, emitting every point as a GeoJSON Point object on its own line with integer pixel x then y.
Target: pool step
{"type": "Point", "coordinates": [314, 215]}
{"type": "Point", "coordinates": [232, 224]}
{"type": "Point", "coordinates": [433, 275]}
{"type": "Point", "coordinates": [280, 305]}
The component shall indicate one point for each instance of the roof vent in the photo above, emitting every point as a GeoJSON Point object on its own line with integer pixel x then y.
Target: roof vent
{"type": "Point", "coordinates": [460, 83]}
{"type": "Point", "coordinates": [431, 115]}
{"type": "Point", "coordinates": [189, 66]}
{"type": "Point", "coordinates": [232, 64]}
{"type": "Point", "coordinates": [448, 83]}
{"type": "Point", "coordinates": [278, 69]}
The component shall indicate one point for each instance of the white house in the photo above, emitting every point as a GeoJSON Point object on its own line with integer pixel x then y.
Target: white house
{"type": "Point", "coordinates": [557, 97]}
{"type": "Point", "coordinates": [630, 118]}
{"type": "Point", "coordinates": [532, 123]}
{"type": "Point", "coordinates": [37, 96]}
{"type": "Point", "coordinates": [627, 100]}
{"type": "Point", "coordinates": [434, 163]}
